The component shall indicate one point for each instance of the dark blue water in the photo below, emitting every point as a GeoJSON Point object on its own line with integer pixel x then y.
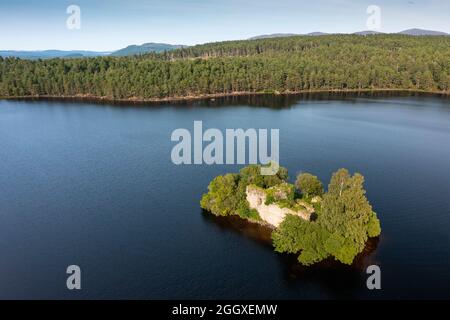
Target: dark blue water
{"type": "Point", "coordinates": [94, 185]}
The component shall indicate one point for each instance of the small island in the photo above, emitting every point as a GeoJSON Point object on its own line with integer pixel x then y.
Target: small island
{"type": "Point", "coordinates": [305, 219]}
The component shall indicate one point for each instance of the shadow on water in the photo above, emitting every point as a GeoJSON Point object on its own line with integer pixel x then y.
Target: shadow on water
{"type": "Point", "coordinates": [286, 101]}
{"type": "Point", "coordinates": [269, 100]}
{"type": "Point", "coordinates": [254, 231]}
{"type": "Point", "coordinates": [338, 280]}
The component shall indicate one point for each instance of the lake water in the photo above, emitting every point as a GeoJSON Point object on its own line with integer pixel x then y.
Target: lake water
{"type": "Point", "coordinates": [94, 185]}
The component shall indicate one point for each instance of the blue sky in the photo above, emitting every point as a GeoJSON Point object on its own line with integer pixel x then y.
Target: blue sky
{"type": "Point", "coordinates": [112, 24]}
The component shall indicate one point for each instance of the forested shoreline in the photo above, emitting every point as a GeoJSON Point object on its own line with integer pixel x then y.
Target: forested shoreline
{"type": "Point", "coordinates": [279, 65]}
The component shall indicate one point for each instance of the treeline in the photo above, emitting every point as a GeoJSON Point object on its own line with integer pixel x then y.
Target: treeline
{"type": "Point", "coordinates": [339, 62]}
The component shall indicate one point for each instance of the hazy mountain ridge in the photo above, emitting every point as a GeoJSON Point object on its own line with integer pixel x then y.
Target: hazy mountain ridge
{"type": "Point", "coordinates": [423, 32]}
{"type": "Point", "coordinates": [48, 54]}
{"type": "Point", "coordinates": [367, 33]}
{"type": "Point", "coordinates": [128, 51]}
{"type": "Point", "coordinates": [161, 47]}
{"type": "Point", "coordinates": [410, 32]}
{"type": "Point", "coordinates": [146, 48]}
{"type": "Point", "coordinates": [274, 35]}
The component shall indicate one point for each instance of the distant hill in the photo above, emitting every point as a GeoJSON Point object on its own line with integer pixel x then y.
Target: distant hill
{"type": "Point", "coordinates": [48, 54]}
{"type": "Point", "coordinates": [422, 32]}
{"type": "Point", "coordinates": [128, 51]}
{"type": "Point", "coordinates": [145, 48]}
{"type": "Point", "coordinates": [367, 33]}
{"type": "Point", "coordinates": [273, 35]}
{"type": "Point", "coordinates": [316, 34]}
{"type": "Point", "coordinates": [283, 35]}
{"type": "Point", "coordinates": [411, 32]}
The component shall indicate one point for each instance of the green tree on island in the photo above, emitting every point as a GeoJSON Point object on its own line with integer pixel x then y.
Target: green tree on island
{"type": "Point", "coordinates": [309, 185]}
{"type": "Point", "coordinates": [344, 224]}
{"type": "Point", "coordinates": [226, 194]}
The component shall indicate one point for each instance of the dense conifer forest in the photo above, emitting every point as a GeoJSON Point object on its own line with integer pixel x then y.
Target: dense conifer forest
{"type": "Point", "coordinates": [278, 65]}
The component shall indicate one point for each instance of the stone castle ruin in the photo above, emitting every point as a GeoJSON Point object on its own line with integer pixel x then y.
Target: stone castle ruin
{"type": "Point", "coordinates": [273, 213]}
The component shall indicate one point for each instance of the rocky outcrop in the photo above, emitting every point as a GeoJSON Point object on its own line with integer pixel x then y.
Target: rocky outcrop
{"type": "Point", "coordinates": [273, 213]}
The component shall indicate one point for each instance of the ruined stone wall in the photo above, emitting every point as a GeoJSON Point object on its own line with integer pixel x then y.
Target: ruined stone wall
{"type": "Point", "coordinates": [272, 213]}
